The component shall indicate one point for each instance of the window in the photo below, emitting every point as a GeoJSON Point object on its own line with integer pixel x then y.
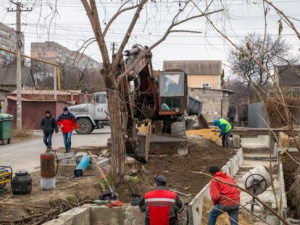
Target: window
{"type": "Point", "coordinates": [101, 98]}
{"type": "Point", "coordinates": [171, 84]}
{"type": "Point", "coordinates": [206, 85]}
{"type": "Point", "coordinates": [4, 32]}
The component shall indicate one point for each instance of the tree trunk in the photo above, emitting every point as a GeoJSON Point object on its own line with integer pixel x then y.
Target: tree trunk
{"type": "Point", "coordinates": [117, 136]}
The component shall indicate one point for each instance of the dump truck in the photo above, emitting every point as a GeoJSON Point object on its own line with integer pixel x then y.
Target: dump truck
{"type": "Point", "coordinates": [92, 115]}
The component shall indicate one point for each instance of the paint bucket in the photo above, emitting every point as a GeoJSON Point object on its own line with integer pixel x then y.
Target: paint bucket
{"type": "Point", "coordinates": [134, 199]}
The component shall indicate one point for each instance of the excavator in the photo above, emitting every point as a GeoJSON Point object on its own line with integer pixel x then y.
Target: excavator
{"type": "Point", "coordinates": [157, 106]}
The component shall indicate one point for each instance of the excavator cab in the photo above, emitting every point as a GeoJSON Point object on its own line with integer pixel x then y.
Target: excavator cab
{"type": "Point", "coordinates": [172, 93]}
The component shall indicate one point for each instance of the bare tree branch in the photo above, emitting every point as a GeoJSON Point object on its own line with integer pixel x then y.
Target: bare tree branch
{"type": "Point", "coordinates": [186, 31]}
{"type": "Point", "coordinates": [173, 24]}
{"type": "Point", "coordinates": [116, 16]}
{"type": "Point", "coordinates": [119, 54]}
{"type": "Point", "coordinates": [283, 15]}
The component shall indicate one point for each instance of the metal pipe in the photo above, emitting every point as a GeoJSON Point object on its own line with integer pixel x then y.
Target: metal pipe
{"type": "Point", "coordinates": [82, 165]}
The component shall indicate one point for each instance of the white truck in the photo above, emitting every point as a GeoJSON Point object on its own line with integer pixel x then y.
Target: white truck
{"type": "Point", "coordinates": [93, 115]}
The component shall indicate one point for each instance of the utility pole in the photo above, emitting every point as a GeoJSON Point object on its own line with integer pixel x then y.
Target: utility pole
{"type": "Point", "coordinates": [18, 56]}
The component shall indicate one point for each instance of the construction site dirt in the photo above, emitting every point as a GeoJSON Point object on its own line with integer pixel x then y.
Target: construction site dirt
{"type": "Point", "coordinates": [292, 183]}
{"type": "Point", "coordinates": [41, 206]}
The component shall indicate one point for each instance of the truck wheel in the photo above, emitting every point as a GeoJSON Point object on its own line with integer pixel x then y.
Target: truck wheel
{"type": "Point", "coordinates": [84, 126]}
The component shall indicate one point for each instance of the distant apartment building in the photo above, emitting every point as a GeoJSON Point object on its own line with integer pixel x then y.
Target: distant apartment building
{"type": "Point", "coordinates": [8, 40]}
{"type": "Point", "coordinates": [56, 53]}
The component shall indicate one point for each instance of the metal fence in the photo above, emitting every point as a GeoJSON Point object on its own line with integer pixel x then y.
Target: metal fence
{"type": "Point", "coordinates": [256, 115]}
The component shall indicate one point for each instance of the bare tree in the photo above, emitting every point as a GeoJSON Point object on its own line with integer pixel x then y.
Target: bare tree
{"type": "Point", "coordinates": [266, 51]}
{"type": "Point", "coordinates": [71, 78]}
{"type": "Point", "coordinates": [114, 76]}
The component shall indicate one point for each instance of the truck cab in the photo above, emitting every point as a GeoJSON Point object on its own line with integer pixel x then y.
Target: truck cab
{"type": "Point", "coordinates": [93, 115]}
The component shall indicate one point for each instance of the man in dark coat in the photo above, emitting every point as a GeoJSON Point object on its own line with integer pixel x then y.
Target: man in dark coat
{"type": "Point", "coordinates": [48, 125]}
{"type": "Point", "coordinates": [161, 205]}
{"type": "Point", "coordinates": [231, 114]}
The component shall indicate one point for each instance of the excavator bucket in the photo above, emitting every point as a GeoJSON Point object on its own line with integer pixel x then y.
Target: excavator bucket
{"type": "Point", "coordinates": [144, 132]}
{"type": "Point", "coordinates": [195, 108]}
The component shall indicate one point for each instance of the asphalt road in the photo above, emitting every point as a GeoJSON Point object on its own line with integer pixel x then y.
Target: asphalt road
{"type": "Point", "coordinates": [25, 155]}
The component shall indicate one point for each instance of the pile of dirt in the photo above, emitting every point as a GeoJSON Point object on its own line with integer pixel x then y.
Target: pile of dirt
{"type": "Point", "coordinates": [292, 183]}
{"type": "Point", "coordinates": [208, 134]}
{"type": "Point", "coordinates": [178, 169]}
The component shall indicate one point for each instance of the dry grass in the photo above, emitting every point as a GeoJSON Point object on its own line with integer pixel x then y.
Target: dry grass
{"type": "Point", "coordinates": [208, 134]}
{"type": "Point", "coordinates": [275, 110]}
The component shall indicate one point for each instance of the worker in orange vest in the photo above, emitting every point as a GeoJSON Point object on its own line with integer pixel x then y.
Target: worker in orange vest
{"type": "Point", "coordinates": [161, 205]}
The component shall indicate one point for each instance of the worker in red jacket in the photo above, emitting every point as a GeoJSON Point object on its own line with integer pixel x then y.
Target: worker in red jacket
{"type": "Point", "coordinates": [67, 121]}
{"type": "Point", "coordinates": [225, 198]}
{"type": "Point", "coordinates": [161, 206]}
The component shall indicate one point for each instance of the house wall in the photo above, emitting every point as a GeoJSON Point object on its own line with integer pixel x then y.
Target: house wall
{"type": "Point", "coordinates": [3, 101]}
{"type": "Point", "coordinates": [196, 81]}
{"type": "Point", "coordinates": [215, 102]}
{"type": "Point", "coordinates": [34, 111]}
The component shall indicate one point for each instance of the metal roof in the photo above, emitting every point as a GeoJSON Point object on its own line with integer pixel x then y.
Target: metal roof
{"type": "Point", "coordinates": [48, 92]}
{"type": "Point", "coordinates": [212, 89]}
{"type": "Point", "coordinates": [195, 67]}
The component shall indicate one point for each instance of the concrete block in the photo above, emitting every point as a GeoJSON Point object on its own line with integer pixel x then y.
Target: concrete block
{"type": "Point", "coordinates": [112, 216]}
{"type": "Point", "coordinates": [133, 215]}
{"type": "Point", "coordinates": [182, 151]}
{"type": "Point", "coordinates": [236, 141]}
{"type": "Point", "coordinates": [58, 222]}
{"type": "Point", "coordinates": [104, 162]}
{"type": "Point", "coordinates": [71, 161]}
{"type": "Point", "coordinates": [65, 155]}
{"type": "Point", "coordinates": [79, 154]}
{"type": "Point", "coordinates": [78, 215]}
{"type": "Point", "coordinates": [63, 161]}
{"type": "Point", "coordinates": [130, 161]}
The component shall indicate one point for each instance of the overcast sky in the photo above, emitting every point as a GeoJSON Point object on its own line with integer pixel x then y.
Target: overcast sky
{"type": "Point", "coordinates": [70, 27]}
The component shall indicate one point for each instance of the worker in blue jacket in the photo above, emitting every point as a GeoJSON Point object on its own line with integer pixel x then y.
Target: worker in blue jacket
{"type": "Point", "coordinates": [225, 127]}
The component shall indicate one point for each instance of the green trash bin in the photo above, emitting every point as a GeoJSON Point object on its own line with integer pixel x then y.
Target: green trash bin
{"type": "Point", "coordinates": [6, 121]}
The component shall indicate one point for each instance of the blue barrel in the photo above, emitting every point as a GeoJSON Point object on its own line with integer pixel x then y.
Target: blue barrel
{"type": "Point", "coordinates": [82, 165]}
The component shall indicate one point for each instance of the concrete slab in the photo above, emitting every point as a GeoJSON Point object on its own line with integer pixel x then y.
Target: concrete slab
{"type": "Point", "coordinates": [58, 222]}
{"type": "Point", "coordinates": [251, 164]}
{"type": "Point", "coordinates": [78, 216]}
{"type": "Point", "coordinates": [252, 142]}
{"type": "Point", "coordinates": [64, 155]}
{"type": "Point", "coordinates": [112, 216]}
{"type": "Point", "coordinates": [259, 157]}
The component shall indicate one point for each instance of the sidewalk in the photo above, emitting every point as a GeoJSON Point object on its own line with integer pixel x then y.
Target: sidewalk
{"type": "Point", "coordinates": [25, 155]}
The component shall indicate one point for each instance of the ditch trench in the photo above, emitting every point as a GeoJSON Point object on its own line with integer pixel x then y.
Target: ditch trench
{"type": "Point", "coordinates": [255, 151]}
